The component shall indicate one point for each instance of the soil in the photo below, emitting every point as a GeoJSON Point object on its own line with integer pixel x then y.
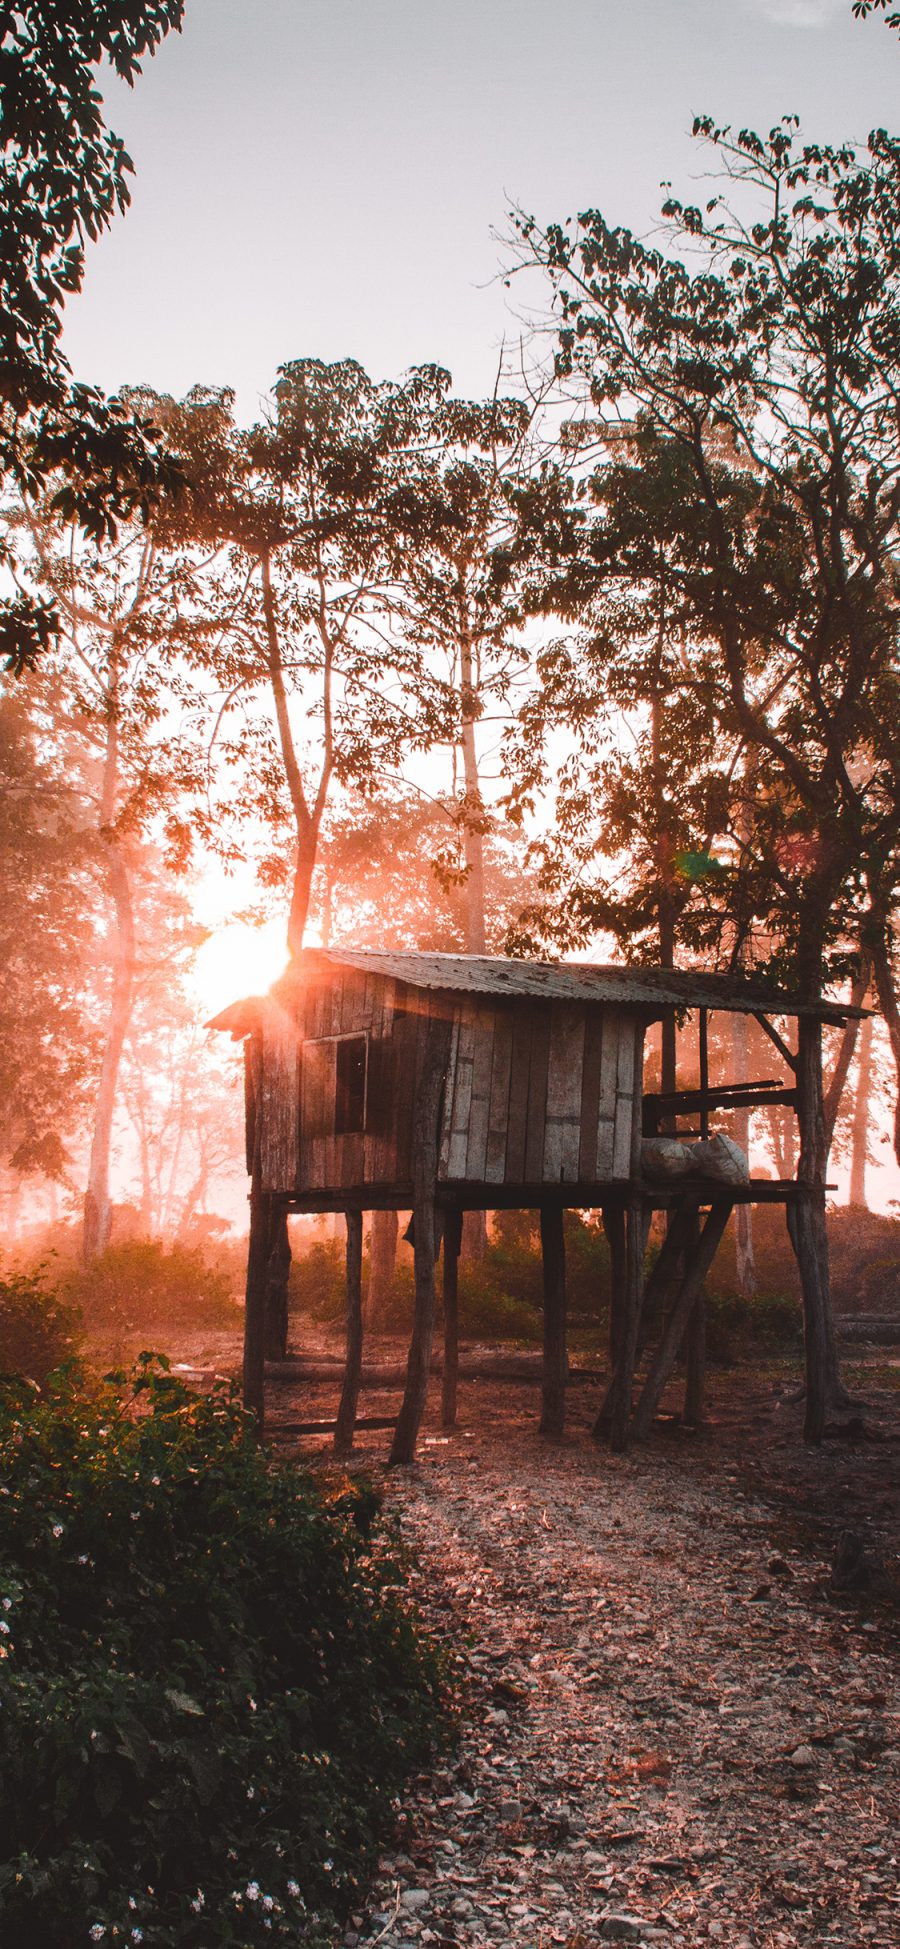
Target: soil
{"type": "Point", "coordinates": [675, 1727]}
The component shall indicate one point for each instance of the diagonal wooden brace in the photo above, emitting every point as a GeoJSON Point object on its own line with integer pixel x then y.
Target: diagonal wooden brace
{"type": "Point", "coordinates": [697, 1266]}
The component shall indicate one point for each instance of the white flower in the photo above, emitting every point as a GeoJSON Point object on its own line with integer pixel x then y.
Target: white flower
{"type": "Point", "coordinates": [328, 1865]}
{"type": "Point", "coordinates": [7, 1603]}
{"type": "Point", "coordinates": [251, 1793]}
{"type": "Point", "coordinates": [252, 1891]}
{"type": "Point", "coordinates": [57, 1531]}
{"type": "Point", "coordinates": [198, 1901]}
{"type": "Point", "coordinates": [131, 1902]}
{"type": "Point", "coordinates": [4, 1628]}
{"type": "Point", "coordinates": [135, 1515]}
{"type": "Point", "coordinates": [268, 1902]}
{"type": "Point", "coordinates": [155, 1481]}
{"type": "Point", "coordinates": [293, 1887]}
{"type": "Point", "coordinates": [84, 1559]}
{"type": "Point", "coordinates": [137, 1935]}
{"type": "Point", "coordinates": [252, 1704]}
{"type": "Point", "coordinates": [97, 1932]}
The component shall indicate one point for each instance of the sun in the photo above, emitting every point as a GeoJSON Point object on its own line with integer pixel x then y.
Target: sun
{"type": "Point", "coordinates": [238, 960]}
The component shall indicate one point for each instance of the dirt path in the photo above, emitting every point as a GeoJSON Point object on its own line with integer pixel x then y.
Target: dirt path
{"type": "Point", "coordinates": [674, 1733]}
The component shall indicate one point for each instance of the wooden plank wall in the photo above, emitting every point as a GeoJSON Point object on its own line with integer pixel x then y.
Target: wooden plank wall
{"type": "Point", "coordinates": [542, 1093]}
{"type": "Point", "coordinates": [537, 1092]}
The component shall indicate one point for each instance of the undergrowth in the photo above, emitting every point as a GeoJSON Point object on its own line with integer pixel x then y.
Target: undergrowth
{"type": "Point", "coordinates": [213, 1684]}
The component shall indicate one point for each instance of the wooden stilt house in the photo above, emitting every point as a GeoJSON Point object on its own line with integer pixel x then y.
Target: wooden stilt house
{"type": "Point", "coordinates": [445, 1082]}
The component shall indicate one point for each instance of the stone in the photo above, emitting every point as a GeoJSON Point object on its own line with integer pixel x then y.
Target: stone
{"type": "Point", "coordinates": [621, 1927]}
{"type": "Point", "coordinates": [415, 1898]}
{"type": "Point", "coordinates": [803, 1756]}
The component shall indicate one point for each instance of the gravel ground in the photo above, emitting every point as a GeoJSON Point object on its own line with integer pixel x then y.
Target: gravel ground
{"type": "Point", "coordinates": [673, 1731]}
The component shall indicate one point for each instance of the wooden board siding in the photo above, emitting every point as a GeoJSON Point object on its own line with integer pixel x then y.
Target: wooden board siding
{"type": "Point", "coordinates": [498, 1108]}
{"type": "Point", "coordinates": [565, 1069]}
{"type": "Point", "coordinates": [537, 1092]}
{"type": "Point", "coordinates": [279, 1101]}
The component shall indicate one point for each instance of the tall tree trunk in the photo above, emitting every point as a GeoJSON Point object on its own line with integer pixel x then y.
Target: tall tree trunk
{"type": "Point", "coordinates": [474, 809]}
{"type": "Point", "coordinates": [97, 1208]}
{"type": "Point", "coordinates": [745, 1257]}
{"type": "Point", "coordinates": [809, 1237]}
{"type": "Point", "coordinates": [382, 1265]}
{"type": "Point", "coordinates": [886, 990]}
{"type": "Point", "coordinates": [860, 1134]}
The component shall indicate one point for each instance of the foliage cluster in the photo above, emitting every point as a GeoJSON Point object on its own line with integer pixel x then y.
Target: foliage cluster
{"type": "Point", "coordinates": [213, 1685]}
{"type": "Point", "coordinates": [38, 1331]}
{"type": "Point", "coordinates": [500, 1295]}
{"type": "Point", "coordinates": [143, 1284]}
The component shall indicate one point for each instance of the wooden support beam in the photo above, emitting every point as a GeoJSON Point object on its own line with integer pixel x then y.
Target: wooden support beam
{"type": "Point", "coordinates": [704, 1072]}
{"type": "Point", "coordinates": [436, 1056]}
{"type": "Point", "coordinates": [278, 1272]}
{"type": "Point", "coordinates": [452, 1241]}
{"type": "Point", "coordinates": [614, 1226]}
{"type": "Point", "coordinates": [346, 1415]}
{"type": "Point", "coordinates": [254, 1385]}
{"type": "Point", "coordinates": [695, 1379]}
{"type": "Point", "coordinates": [808, 1236]}
{"type": "Point", "coordinates": [553, 1388]}
{"type": "Point", "coordinates": [696, 1269]}
{"type": "Point", "coordinates": [637, 1222]}
{"type": "Point", "coordinates": [779, 1042]}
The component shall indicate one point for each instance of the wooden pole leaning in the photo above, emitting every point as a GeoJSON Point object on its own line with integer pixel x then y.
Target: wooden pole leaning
{"type": "Point", "coordinates": [636, 1226]}
{"type": "Point", "coordinates": [346, 1415]}
{"type": "Point", "coordinates": [553, 1386]}
{"type": "Point", "coordinates": [425, 1159]}
{"type": "Point", "coordinates": [697, 1266]}
{"type": "Point", "coordinates": [449, 1382]}
{"type": "Point", "coordinates": [256, 1291]}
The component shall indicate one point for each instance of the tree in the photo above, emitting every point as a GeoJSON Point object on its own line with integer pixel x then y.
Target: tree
{"type": "Point", "coordinates": [767, 367]}
{"type": "Point", "coordinates": [301, 622]}
{"type": "Point", "coordinates": [112, 689]}
{"type": "Point", "coordinates": [64, 175]}
{"type": "Point", "coordinates": [48, 1051]}
{"type": "Point", "coordinates": [458, 605]}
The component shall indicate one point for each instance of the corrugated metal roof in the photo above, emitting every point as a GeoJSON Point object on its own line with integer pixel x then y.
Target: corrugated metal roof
{"type": "Point", "coordinates": [484, 974]}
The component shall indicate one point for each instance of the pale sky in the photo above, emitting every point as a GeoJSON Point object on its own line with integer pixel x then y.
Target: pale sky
{"type": "Point", "coordinates": [323, 177]}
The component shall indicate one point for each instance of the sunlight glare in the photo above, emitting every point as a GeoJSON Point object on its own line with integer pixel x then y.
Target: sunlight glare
{"type": "Point", "coordinates": [238, 960]}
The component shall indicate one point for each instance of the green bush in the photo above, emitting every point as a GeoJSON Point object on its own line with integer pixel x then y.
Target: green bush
{"type": "Point", "coordinates": [317, 1287]}
{"type": "Point", "coordinates": [768, 1323]}
{"type": "Point", "coordinates": [143, 1285]}
{"type": "Point", "coordinates": [37, 1331]}
{"type": "Point", "coordinates": [213, 1684]}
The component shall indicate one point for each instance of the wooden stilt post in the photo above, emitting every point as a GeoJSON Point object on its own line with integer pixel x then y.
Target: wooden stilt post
{"type": "Point", "coordinates": [553, 1389]}
{"type": "Point", "coordinates": [696, 1269]}
{"type": "Point", "coordinates": [278, 1270]}
{"type": "Point", "coordinates": [425, 1156]}
{"type": "Point", "coordinates": [623, 1378]}
{"type": "Point", "coordinates": [254, 1384]}
{"type": "Point", "coordinates": [614, 1226]}
{"type": "Point", "coordinates": [695, 1379]}
{"type": "Point", "coordinates": [452, 1242]}
{"type": "Point", "coordinates": [346, 1415]}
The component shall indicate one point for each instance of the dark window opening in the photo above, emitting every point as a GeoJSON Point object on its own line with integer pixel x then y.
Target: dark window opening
{"type": "Point", "coordinates": [350, 1086]}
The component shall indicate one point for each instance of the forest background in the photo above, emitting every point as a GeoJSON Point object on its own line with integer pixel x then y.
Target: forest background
{"type": "Point", "coordinates": [589, 649]}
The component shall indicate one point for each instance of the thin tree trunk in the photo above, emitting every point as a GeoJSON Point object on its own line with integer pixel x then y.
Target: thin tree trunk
{"type": "Point", "coordinates": [745, 1256]}
{"type": "Point", "coordinates": [808, 1234]}
{"type": "Point", "coordinates": [859, 1151]}
{"type": "Point", "coordinates": [473, 837]}
{"type": "Point", "coordinates": [382, 1265]}
{"type": "Point", "coordinates": [886, 990]}
{"type": "Point", "coordinates": [97, 1208]}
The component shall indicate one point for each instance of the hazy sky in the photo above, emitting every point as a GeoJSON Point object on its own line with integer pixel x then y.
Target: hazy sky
{"type": "Point", "coordinates": [324, 176]}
